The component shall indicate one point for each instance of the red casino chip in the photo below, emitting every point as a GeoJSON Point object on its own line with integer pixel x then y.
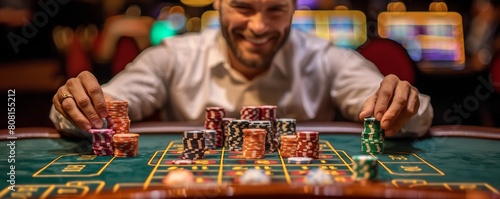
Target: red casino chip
{"type": "Point", "coordinates": [250, 113]}
{"type": "Point", "coordinates": [268, 112]}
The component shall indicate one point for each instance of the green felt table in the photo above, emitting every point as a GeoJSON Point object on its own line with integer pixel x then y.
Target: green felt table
{"type": "Point", "coordinates": [55, 167]}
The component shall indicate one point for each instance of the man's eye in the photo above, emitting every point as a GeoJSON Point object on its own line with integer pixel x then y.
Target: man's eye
{"type": "Point", "coordinates": [243, 9]}
{"type": "Point", "coordinates": [277, 10]}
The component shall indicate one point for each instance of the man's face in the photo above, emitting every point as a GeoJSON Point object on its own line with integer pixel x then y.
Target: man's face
{"type": "Point", "coordinates": [255, 29]}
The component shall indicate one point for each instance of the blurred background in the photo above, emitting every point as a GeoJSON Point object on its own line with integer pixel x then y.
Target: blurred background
{"type": "Point", "coordinates": [447, 49]}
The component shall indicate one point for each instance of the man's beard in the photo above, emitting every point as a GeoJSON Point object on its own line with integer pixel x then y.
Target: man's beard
{"type": "Point", "coordinates": [265, 60]}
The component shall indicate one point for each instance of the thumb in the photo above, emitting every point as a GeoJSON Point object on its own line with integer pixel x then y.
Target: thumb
{"type": "Point", "coordinates": [368, 108]}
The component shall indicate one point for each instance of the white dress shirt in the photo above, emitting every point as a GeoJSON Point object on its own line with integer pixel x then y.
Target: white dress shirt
{"type": "Point", "coordinates": [309, 79]}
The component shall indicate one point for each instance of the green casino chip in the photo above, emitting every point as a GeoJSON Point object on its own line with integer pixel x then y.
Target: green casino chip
{"type": "Point", "coordinates": [365, 167]}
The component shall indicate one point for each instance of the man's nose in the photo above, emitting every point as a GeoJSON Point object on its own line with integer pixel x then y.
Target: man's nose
{"type": "Point", "coordinates": [258, 24]}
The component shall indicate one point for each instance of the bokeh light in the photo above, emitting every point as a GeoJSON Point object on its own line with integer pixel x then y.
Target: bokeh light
{"type": "Point", "coordinates": [160, 30]}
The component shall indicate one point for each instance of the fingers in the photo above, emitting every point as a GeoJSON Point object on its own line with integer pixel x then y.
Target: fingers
{"type": "Point", "coordinates": [70, 111]}
{"type": "Point", "coordinates": [398, 103]}
{"type": "Point", "coordinates": [384, 95]}
{"type": "Point", "coordinates": [87, 107]}
{"type": "Point", "coordinates": [91, 85]}
{"type": "Point", "coordinates": [393, 105]}
{"type": "Point", "coordinates": [368, 108]}
{"type": "Point", "coordinates": [84, 102]}
{"type": "Point", "coordinates": [409, 111]}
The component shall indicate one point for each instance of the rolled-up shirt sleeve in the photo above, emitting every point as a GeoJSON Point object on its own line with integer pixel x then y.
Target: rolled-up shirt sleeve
{"type": "Point", "coordinates": [354, 79]}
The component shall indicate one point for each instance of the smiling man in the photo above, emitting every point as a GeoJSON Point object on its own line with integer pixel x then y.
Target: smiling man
{"type": "Point", "coordinates": [254, 59]}
{"type": "Point", "coordinates": [254, 32]}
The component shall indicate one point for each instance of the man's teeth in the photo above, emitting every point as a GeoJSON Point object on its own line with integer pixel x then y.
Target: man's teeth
{"type": "Point", "coordinates": [258, 41]}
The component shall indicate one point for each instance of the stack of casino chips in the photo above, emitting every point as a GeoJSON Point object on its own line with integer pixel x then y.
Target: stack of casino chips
{"type": "Point", "coordinates": [268, 112]}
{"type": "Point", "coordinates": [285, 126]}
{"type": "Point", "coordinates": [307, 144]}
{"type": "Point", "coordinates": [210, 139]}
{"type": "Point", "coordinates": [266, 125]}
{"type": "Point", "coordinates": [194, 145]}
{"type": "Point", "coordinates": [126, 145]}
{"type": "Point", "coordinates": [288, 146]}
{"type": "Point", "coordinates": [254, 143]}
{"type": "Point", "coordinates": [118, 113]}
{"type": "Point", "coordinates": [365, 167]}
{"type": "Point", "coordinates": [372, 137]}
{"type": "Point", "coordinates": [213, 121]}
{"type": "Point", "coordinates": [102, 141]}
{"type": "Point", "coordinates": [234, 140]}
{"type": "Point", "coordinates": [225, 124]}
{"type": "Point", "coordinates": [250, 113]}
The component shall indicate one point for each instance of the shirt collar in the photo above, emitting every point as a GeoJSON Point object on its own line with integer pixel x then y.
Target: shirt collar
{"type": "Point", "coordinates": [280, 60]}
{"type": "Point", "coordinates": [217, 51]}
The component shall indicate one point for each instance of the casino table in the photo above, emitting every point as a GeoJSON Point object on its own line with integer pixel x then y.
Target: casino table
{"type": "Point", "coordinates": [452, 161]}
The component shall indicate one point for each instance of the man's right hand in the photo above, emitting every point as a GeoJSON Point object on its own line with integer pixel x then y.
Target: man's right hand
{"type": "Point", "coordinates": [82, 101]}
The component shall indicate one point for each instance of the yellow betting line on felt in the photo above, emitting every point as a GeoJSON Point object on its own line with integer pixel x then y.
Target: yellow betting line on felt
{"type": "Point", "coordinates": [150, 177]}
{"type": "Point", "coordinates": [338, 155]}
{"type": "Point", "coordinates": [287, 176]}
{"type": "Point", "coordinates": [219, 177]}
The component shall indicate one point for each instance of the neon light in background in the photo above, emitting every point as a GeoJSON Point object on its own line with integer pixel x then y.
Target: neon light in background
{"type": "Point", "coordinates": [307, 4]}
{"type": "Point", "coordinates": [428, 36]}
{"type": "Point", "coordinates": [305, 23]}
{"type": "Point", "coordinates": [161, 29]}
{"type": "Point", "coordinates": [342, 31]}
{"type": "Point", "coordinates": [197, 3]}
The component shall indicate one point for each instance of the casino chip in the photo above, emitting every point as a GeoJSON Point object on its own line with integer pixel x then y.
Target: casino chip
{"type": "Point", "coordinates": [102, 141]}
{"type": "Point", "coordinates": [268, 112]}
{"type": "Point", "coordinates": [225, 130]}
{"type": "Point", "coordinates": [214, 121]}
{"type": "Point", "coordinates": [285, 126]}
{"type": "Point", "coordinates": [194, 145]}
{"type": "Point", "coordinates": [234, 139]}
{"type": "Point", "coordinates": [288, 146]}
{"type": "Point", "coordinates": [210, 139]}
{"type": "Point", "coordinates": [250, 113]}
{"type": "Point", "coordinates": [318, 177]}
{"type": "Point", "coordinates": [372, 137]}
{"type": "Point", "coordinates": [365, 167]}
{"type": "Point", "coordinates": [299, 160]}
{"type": "Point", "coordinates": [126, 145]}
{"type": "Point", "coordinates": [183, 162]}
{"type": "Point", "coordinates": [255, 177]}
{"type": "Point", "coordinates": [254, 143]}
{"type": "Point", "coordinates": [307, 144]}
{"type": "Point", "coordinates": [268, 127]}
{"type": "Point", "coordinates": [118, 116]}
{"type": "Point", "coordinates": [179, 178]}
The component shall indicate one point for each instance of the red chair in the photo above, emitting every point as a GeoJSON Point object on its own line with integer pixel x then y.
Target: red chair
{"type": "Point", "coordinates": [495, 73]}
{"type": "Point", "coordinates": [126, 51]}
{"type": "Point", "coordinates": [121, 40]}
{"type": "Point", "coordinates": [77, 59]}
{"type": "Point", "coordinates": [390, 57]}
